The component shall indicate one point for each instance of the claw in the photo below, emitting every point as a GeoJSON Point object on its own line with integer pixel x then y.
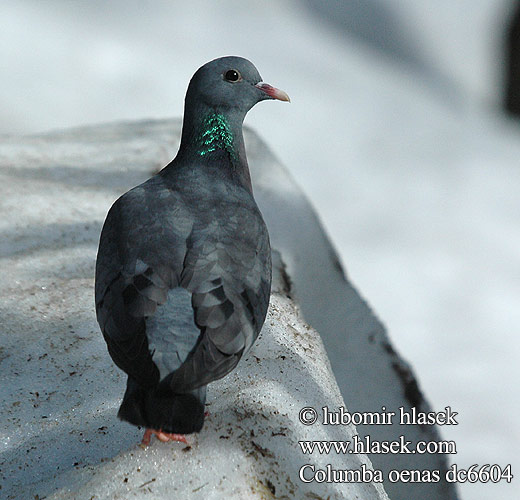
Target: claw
{"type": "Point", "coordinates": [162, 436]}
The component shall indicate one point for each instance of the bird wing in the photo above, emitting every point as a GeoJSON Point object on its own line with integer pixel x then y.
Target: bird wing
{"type": "Point", "coordinates": [228, 273]}
{"type": "Point", "coordinates": [135, 269]}
{"type": "Point", "coordinates": [223, 262]}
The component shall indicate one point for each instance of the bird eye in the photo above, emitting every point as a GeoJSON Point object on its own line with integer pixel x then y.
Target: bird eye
{"type": "Point", "coordinates": [232, 75]}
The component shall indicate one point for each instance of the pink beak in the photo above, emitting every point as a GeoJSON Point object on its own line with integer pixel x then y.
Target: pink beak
{"type": "Point", "coordinates": [273, 92]}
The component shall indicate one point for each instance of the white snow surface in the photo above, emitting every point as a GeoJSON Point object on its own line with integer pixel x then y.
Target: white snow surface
{"type": "Point", "coordinates": [416, 182]}
{"type": "Point", "coordinates": [55, 235]}
{"type": "Point", "coordinates": [60, 391]}
{"type": "Point", "coordinates": [249, 445]}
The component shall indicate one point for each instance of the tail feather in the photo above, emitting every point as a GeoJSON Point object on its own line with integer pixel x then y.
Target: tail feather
{"type": "Point", "coordinates": [163, 409]}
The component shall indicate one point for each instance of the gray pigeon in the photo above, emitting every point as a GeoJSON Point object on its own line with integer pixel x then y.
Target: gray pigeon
{"type": "Point", "coordinates": [183, 272]}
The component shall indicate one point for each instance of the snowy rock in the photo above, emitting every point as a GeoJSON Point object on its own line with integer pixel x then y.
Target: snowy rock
{"type": "Point", "coordinates": [61, 390]}
{"type": "Point", "coordinates": [370, 373]}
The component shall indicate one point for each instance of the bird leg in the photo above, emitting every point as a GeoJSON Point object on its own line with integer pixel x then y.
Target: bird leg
{"type": "Point", "coordinates": [162, 436]}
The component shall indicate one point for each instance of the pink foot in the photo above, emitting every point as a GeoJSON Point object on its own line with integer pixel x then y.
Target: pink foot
{"type": "Point", "coordinates": [162, 436]}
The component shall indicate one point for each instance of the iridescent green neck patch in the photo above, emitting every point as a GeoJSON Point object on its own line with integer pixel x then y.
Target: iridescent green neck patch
{"type": "Point", "coordinates": [216, 135]}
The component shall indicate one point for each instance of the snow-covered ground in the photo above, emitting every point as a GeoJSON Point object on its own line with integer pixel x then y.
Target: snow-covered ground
{"type": "Point", "coordinates": [415, 178]}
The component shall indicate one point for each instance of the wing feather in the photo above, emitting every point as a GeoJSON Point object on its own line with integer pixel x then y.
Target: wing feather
{"type": "Point", "coordinates": [222, 261]}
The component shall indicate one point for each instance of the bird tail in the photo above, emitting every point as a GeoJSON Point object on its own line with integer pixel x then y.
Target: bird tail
{"type": "Point", "coordinates": [161, 409]}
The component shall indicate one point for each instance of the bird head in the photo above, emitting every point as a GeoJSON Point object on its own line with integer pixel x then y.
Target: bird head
{"type": "Point", "coordinates": [231, 83]}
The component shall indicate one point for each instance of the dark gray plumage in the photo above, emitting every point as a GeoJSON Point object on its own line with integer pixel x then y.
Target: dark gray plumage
{"type": "Point", "coordinates": [183, 271]}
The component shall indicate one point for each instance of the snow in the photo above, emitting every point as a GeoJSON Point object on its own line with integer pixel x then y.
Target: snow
{"type": "Point", "coordinates": [61, 391]}
{"type": "Point", "coordinates": [414, 178]}
{"type": "Point", "coordinates": [55, 237]}
{"type": "Point", "coordinates": [249, 445]}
